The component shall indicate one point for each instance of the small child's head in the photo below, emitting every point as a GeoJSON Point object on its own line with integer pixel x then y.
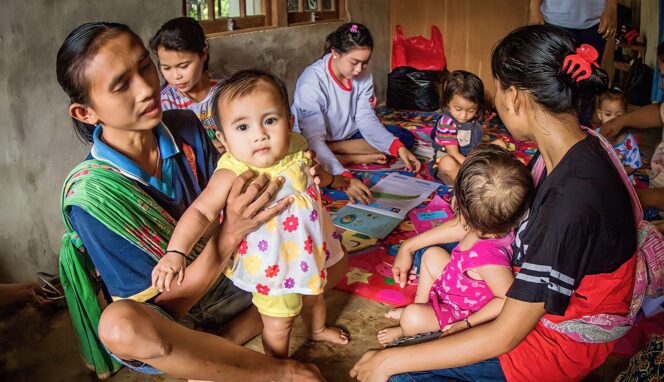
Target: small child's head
{"type": "Point", "coordinates": [182, 50]}
{"type": "Point", "coordinates": [463, 96]}
{"type": "Point", "coordinates": [252, 115]}
{"type": "Point", "coordinates": [351, 46]}
{"type": "Point", "coordinates": [611, 104]}
{"type": "Point", "coordinates": [493, 190]}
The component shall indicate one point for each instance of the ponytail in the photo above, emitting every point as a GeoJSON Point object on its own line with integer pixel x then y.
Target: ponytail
{"type": "Point", "coordinates": [347, 37]}
{"type": "Point", "coordinates": [531, 58]}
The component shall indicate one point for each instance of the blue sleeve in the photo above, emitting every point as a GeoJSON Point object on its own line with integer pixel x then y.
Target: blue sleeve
{"type": "Point", "coordinates": [206, 156]}
{"type": "Point", "coordinates": [125, 269]}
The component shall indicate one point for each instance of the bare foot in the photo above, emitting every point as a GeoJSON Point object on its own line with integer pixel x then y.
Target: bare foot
{"type": "Point", "coordinates": [377, 158]}
{"type": "Point", "coordinates": [348, 159]}
{"type": "Point", "coordinates": [332, 334]}
{"type": "Point", "coordinates": [394, 314]}
{"type": "Point", "coordinates": [388, 335]}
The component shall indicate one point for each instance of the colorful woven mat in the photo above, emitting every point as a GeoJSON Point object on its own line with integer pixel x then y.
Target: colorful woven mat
{"type": "Point", "coordinates": [370, 274]}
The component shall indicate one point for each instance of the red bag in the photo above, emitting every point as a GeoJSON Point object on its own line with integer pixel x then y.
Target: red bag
{"type": "Point", "coordinates": [418, 52]}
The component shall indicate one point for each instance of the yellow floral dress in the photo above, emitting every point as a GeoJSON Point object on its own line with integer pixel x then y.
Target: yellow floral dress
{"type": "Point", "coordinates": [290, 253]}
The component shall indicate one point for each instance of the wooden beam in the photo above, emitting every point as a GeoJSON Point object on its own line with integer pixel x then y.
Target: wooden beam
{"type": "Point", "coordinates": [279, 12]}
{"type": "Point", "coordinates": [243, 8]}
{"type": "Point", "coordinates": [211, 12]}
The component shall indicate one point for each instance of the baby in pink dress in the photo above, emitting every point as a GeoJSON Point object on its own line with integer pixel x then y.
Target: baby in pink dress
{"type": "Point", "coordinates": [456, 291]}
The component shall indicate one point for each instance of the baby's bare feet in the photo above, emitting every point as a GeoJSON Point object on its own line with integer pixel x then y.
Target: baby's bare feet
{"type": "Point", "coordinates": [332, 334]}
{"type": "Point", "coordinates": [388, 335]}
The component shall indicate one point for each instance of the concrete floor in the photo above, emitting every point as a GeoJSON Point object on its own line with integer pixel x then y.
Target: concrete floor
{"type": "Point", "coordinates": [40, 346]}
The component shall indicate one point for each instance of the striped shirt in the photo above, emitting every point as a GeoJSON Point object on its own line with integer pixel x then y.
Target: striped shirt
{"type": "Point", "coordinates": [172, 98]}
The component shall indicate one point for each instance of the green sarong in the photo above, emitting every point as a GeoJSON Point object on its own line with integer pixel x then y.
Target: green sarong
{"type": "Point", "coordinates": [124, 208]}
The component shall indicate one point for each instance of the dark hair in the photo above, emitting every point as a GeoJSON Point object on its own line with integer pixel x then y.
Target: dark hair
{"type": "Point", "coordinates": [181, 34]}
{"type": "Point", "coordinates": [348, 37]}
{"type": "Point", "coordinates": [531, 58]}
{"type": "Point", "coordinates": [660, 51]}
{"type": "Point", "coordinates": [493, 190]}
{"type": "Point", "coordinates": [612, 95]}
{"type": "Point", "coordinates": [242, 83]}
{"type": "Point", "coordinates": [466, 85]}
{"type": "Point", "coordinates": [80, 46]}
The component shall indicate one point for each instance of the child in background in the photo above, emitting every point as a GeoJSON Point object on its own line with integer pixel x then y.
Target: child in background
{"type": "Point", "coordinates": [183, 55]}
{"type": "Point", "coordinates": [611, 104]}
{"type": "Point", "coordinates": [493, 191]}
{"type": "Point", "coordinates": [284, 263]}
{"type": "Point", "coordinates": [458, 130]}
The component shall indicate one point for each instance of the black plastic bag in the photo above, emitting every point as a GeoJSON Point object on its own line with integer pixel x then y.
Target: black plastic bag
{"type": "Point", "coordinates": [638, 83]}
{"type": "Point", "coordinates": [412, 89]}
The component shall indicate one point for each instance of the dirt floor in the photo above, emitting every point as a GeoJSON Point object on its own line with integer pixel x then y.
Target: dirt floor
{"type": "Point", "coordinates": [40, 346]}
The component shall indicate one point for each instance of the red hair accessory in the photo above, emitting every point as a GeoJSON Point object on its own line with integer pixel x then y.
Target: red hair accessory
{"type": "Point", "coordinates": [583, 59]}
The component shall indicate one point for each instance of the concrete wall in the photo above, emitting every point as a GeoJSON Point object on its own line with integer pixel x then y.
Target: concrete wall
{"type": "Point", "coordinates": [37, 144]}
{"type": "Point", "coordinates": [287, 51]}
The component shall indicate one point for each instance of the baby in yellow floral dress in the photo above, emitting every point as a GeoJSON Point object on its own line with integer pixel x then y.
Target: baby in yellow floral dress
{"type": "Point", "coordinates": [284, 263]}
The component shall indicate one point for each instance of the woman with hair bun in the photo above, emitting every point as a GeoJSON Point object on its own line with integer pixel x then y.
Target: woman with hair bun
{"type": "Point", "coordinates": [573, 255]}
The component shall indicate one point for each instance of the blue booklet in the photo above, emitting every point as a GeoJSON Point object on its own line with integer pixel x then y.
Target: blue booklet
{"type": "Point", "coordinates": [393, 196]}
{"type": "Point", "coordinates": [367, 222]}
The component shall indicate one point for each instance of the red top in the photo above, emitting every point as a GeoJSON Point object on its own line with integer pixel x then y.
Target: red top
{"type": "Point", "coordinates": [341, 85]}
{"type": "Point", "coordinates": [546, 355]}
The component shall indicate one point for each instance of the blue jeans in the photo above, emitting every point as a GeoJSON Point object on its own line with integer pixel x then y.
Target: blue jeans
{"type": "Point", "coordinates": [405, 136]}
{"type": "Point", "coordinates": [417, 256]}
{"type": "Point", "coordinates": [484, 371]}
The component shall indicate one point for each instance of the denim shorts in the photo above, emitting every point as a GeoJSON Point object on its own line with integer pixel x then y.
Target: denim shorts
{"type": "Point", "coordinates": [417, 255]}
{"type": "Point", "coordinates": [218, 306]}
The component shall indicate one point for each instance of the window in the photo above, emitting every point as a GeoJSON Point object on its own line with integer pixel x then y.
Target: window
{"type": "Point", "coordinates": [222, 15]}
{"type": "Point", "coordinates": [300, 11]}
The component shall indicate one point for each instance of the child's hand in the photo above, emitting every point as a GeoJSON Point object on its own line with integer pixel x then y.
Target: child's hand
{"type": "Point", "coordinates": [356, 191]}
{"type": "Point", "coordinates": [166, 269]}
{"type": "Point", "coordinates": [412, 163]}
{"type": "Point", "coordinates": [454, 327]}
{"type": "Point", "coordinates": [322, 178]}
{"type": "Point", "coordinates": [402, 264]}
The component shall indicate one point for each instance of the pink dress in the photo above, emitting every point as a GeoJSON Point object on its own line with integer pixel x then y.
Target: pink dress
{"type": "Point", "coordinates": [455, 296]}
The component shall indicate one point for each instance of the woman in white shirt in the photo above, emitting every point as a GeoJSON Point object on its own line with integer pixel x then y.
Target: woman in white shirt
{"type": "Point", "coordinates": [333, 105]}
